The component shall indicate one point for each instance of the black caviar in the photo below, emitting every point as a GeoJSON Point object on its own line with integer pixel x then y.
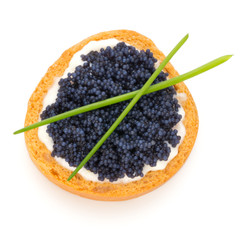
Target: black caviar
{"type": "Point", "coordinates": [144, 134]}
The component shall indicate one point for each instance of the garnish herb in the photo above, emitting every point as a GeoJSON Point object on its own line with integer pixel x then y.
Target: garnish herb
{"type": "Point", "coordinates": [135, 96]}
{"type": "Point", "coordinates": [129, 107]}
{"type": "Point", "coordinates": [127, 96]}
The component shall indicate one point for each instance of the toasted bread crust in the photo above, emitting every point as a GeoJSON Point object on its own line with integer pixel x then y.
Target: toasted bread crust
{"type": "Point", "coordinates": [41, 156]}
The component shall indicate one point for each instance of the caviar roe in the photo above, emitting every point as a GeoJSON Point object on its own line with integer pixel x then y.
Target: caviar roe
{"type": "Point", "coordinates": [144, 134]}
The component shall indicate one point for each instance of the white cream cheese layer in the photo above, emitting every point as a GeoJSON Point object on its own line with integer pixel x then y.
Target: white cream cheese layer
{"type": "Point", "coordinates": [51, 98]}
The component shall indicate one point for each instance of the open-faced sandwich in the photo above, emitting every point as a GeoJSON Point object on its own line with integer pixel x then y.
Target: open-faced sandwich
{"type": "Point", "coordinates": [148, 147]}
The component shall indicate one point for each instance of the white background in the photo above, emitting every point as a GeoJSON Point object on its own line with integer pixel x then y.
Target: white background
{"type": "Point", "coordinates": [202, 200]}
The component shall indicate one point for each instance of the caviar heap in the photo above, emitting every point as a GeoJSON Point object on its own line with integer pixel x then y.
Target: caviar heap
{"type": "Point", "coordinates": [143, 137]}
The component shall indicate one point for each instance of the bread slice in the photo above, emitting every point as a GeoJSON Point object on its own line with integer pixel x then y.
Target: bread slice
{"type": "Point", "coordinates": [106, 191]}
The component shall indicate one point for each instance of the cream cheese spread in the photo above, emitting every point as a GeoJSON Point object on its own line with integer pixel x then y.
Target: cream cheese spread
{"type": "Point", "coordinates": [52, 95]}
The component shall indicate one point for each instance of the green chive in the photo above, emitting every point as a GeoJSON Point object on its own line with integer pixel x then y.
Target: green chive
{"type": "Point", "coordinates": [128, 96]}
{"type": "Point", "coordinates": [129, 107]}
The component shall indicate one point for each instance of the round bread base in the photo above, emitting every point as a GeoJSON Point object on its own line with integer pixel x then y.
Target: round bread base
{"type": "Point", "coordinates": [106, 191]}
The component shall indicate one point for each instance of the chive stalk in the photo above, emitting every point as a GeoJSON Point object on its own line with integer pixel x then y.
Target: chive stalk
{"type": "Point", "coordinates": [129, 107]}
{"type": "Point", "coordinates": [128, 96]}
